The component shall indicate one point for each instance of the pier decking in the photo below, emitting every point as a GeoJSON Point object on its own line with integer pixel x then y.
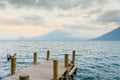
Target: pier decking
{"type": "Point", "coordinates": [48, 70]}
{"type": "Point", "coordinates": [43, 71]}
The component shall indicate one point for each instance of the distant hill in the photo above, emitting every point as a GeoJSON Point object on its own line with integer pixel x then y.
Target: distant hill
{"type": "Point", "coordinates": [22, 38]}
{"type": "Point", "coordinates": [113, 35]}
{"type": "Point", "coordinates": [57, 35]}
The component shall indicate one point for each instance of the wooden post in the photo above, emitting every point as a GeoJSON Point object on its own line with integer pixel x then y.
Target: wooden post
{"type": "Point", "coordinates": [55, 69]}
{"type": "Point", "coordinates": [73, 57]}
{"type": "Point", "coordinates": [24, 77]}
{"type": "Point", "coordinates": [48, 55]}
{"type": "Point", "coordinates": [13, 65]}
{"type": "Point", "coordinates": [66, 60]}
{"type": "Point", "coordinates": [35, 57]}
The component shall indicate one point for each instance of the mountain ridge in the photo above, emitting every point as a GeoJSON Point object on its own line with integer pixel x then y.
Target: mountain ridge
{"type": "Point", "coordinates": [113, 35]}
{"type": "Point", "coordinates": [58, 35]}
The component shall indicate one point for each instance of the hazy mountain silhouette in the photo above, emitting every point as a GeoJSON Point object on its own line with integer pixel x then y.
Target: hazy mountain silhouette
{"type": "Point", "coordinates": [113, 35]}
{"type": "Point", "coordinates": [22, 38]}
{"type": "Point", "coordinates": [57, 35]}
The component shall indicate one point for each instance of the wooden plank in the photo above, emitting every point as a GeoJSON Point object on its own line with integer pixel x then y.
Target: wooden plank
{"type": "Point", "coordinates": [43, 71]}
{"type": "Point", "coordinates": [72, 71]}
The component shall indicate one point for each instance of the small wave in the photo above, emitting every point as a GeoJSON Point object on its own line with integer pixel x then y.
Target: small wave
{"type": "Point", "coordinates": [1, 78]}
{"type": "Point", "coordinates": [117, 78]}
{"type": "Point", "coordinates": [96, 58]}
{"type": "Point", "coordinates": [23, 46]}
{"type": "Point", "coordinates": [98, 66]}
{"type": "Point", "coordinates": [115, 64]}
{"type": "Point", "coordinates": [24, 62]}
{"type": "Point", "coordinates": [88, 78]}
{"type": "Point", "coordinates": [84, 70]}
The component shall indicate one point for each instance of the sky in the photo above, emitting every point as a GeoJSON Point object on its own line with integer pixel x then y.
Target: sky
{"type": "Point", "coordinates": [84, 18]}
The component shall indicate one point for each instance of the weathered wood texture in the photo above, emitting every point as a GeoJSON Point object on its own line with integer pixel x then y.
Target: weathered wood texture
{"type": "Point", "coordinates": [48, 55]}
{"type": "Point", "coordinates": [43, 71]}
{"type": "Point", "coordinates": [35, 57]}
{"type": "Point", "coordinates": [13, 65]}
{"type": "Point", "coordinates": [73, 57]}
{"type": "Point", "coordinates": [55, 70]}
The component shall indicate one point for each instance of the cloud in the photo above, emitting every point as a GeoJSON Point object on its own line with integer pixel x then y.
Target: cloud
{"type": "Point", "coordinates": [102, 2]}
{"type": "Point", "coordinates": [34, 20]}
{"type": "Point", "coordinates": [95, 11]}
{"type": "Point", "coordinates": [11, 22]}
{"type": "Point", "coordinates": [2, 4]}
{"type": "Point", "coordinates": [31, 3]}
{"type": "Point", "coordinates": [25, 20]}
{"type": "Point", "coordinates": [110, 17]}
{"type": "Point", "coordinates": [79, 27]}
{"type": "Point", "coordinates": [52, 4]}
{"type": "Point", "coordinates": [64, 15]}
{"type": "Point", "coordinates": [19, 3]}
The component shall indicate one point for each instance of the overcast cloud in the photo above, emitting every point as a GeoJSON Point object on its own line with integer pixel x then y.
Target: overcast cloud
{"type": "Point", "coordinates": [34, 20]}
{"type": "Point", "coordinates": [12, 22]}
{"type": "Point", "coordinates": [25, 20]}
{"type": "Point", "coordinates": [84, 17]}
{"type": "Point", "coordinates": [60, 4]}
{"type": "Point", "coordinates": [109, 17]}
{"type": "Point", "coordinates": [2, 4]}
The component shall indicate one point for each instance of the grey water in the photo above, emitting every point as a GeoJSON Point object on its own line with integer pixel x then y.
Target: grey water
{"type": "Point", "coordinates": [95, 60]}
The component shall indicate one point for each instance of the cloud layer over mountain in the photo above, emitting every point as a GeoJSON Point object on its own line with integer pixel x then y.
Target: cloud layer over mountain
{"type": "Point", "coordinates": [86, 18]}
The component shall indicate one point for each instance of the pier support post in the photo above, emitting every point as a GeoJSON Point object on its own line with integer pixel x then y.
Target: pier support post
{"type": "Point", "coordinates": [35, 57]}
{"type": "Point", "coordinates": [73, 57]}
{"type": "Point", "coordinates": [66, 60]}
{"type": "Point", "coordinates": [13, 65]}
{"type": "Point", "coordinates": [55, 69]}
{"type": "Point", "coordinates": [24, 77]}
{"type": "Point", "coordinates": [48, 55]}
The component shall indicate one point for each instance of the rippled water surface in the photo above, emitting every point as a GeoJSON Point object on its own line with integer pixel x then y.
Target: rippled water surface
{"type": "Point", "coordinates": [94, 60]}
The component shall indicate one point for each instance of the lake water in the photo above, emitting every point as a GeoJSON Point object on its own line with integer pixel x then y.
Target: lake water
{"type": "Point", "coordinates": [94, 60]}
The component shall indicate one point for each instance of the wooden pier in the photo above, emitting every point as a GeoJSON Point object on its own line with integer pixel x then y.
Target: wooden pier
{"type": "Point", "coordinates": [48, 70]}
